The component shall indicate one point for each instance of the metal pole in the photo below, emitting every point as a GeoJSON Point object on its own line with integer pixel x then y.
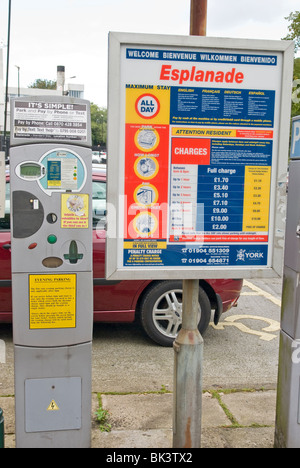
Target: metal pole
{"type": "Point", "coordinates": [188, 351]}
{"type": "Point", "coordinates": [18, 68]}
{"type": "Point", "coordinates": [7, 73]}
{"type": "Point", "coordinates": [188, 346]}
{"type": "Point", "coordinates": [198, 17]}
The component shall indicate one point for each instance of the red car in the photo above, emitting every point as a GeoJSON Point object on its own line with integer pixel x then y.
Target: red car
{"type": "Point", "coordinates": [158, 304]}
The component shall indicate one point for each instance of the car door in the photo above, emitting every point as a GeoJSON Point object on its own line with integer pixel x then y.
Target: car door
{"type": "Point", "coordinates": [5, 261]}
{"type": "Point", "coordinates": [99, 227]}
{"type": "Point", "coordinates": [113, 300]}
{"type": "Point", "coordinates": [104, 298]}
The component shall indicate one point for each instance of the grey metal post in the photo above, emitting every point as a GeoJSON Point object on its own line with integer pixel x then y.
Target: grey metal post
{"type": "Point", "coordinates": [198, 20]}
{"type": "Point", "coordinates": [188, 351]}
{"type": "Point", "coordinates": [287, 433]}
{"type": "Point", "coordinates": [188, 345]}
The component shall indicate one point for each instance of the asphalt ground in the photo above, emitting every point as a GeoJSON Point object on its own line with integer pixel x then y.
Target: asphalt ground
{"type": "Point", "coordinates": [133, 379]}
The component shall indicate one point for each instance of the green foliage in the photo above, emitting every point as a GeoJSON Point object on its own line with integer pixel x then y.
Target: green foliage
{"type": "Point", "coordinates": [102, 416]}
{"type": "Point", "coordinates": [294, 28]}
{"type": "Point", "coordinates": [294, 35]}
{"type": "Point", "coordinates": [99, 125]}
{"type": "Point", "coordinates": [43, 84]}
{"type": "Point", "coordinates": [296, 89]}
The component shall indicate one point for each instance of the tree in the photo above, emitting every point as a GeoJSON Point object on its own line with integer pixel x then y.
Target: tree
{"type": "Point", "coordinates": [294, 28]}
{"type": "Point", "coordinates": [294, 35]}
{"type": "Point", "coordinates": [43, 84]}
{"type": "Point", "coordinates": [99, 125]}
{"type": "Point", "coordinates": [296, 89]}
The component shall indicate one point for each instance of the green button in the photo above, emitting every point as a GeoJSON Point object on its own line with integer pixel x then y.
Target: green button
{"type": "Point", "coordinates": [52, 239]}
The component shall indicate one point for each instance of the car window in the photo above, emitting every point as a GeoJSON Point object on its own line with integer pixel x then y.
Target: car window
{"type": "Point", "coordinates": [5, 222]}
{"type": "Point", "coordinates": [99, 206]}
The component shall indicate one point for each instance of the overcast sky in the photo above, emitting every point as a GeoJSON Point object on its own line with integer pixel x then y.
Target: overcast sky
{"type": "Point", "coordinates": [74, 33]}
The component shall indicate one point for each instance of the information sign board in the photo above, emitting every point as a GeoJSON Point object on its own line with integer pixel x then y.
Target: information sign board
{"type": "Point", "coordinates": [198, 145]}
{"type": "Point", "coordinates": [49, 121]}
{"type": "Point", "coordinates": [52, 301]}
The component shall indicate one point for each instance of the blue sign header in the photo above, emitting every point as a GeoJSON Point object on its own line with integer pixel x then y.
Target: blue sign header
{"type": "Point", "coordinates": [221, 57]}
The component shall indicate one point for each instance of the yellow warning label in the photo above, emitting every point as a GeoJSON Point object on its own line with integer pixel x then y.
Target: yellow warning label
{"type": "Point", "coordinates": [52, 301]}
{"type": "Point", "coordinates": [54, 183]}
{"type": "Point", "coordinates": [144, 244]}
{"type": "Point", "coordinates": [53, 406]}
{"type": "Point", "coordinates": [204, 132]}
{"type": "Point", "coordinates": [257, 198]}
{"type": "Point", "coordinates": [74, 211]}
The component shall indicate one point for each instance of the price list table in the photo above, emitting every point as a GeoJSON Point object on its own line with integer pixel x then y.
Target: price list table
{"type": "Point", "coordinates": [236, 199]}
{"type": "Point", "coordinates": [222, 192]}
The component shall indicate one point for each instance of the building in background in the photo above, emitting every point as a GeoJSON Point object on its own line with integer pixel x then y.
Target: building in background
{"type": "Point", "coordinates": [63, 89]}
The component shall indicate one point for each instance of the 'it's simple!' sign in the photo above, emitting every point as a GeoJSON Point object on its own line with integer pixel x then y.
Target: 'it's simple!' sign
{"type": "Point", "coordinates": [198, 145]}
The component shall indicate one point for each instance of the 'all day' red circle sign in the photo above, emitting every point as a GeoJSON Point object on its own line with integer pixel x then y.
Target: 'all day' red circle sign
{"type": "Point", "coordinates": [147, 106]}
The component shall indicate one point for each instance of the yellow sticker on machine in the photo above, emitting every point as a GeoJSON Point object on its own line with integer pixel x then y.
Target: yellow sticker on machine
{"type": "Point", "coordinates": [74, 211]}
{"type": "Point", "coordinates": [52, 301]}
{"type": "Point", "coordinates": [53, 406]}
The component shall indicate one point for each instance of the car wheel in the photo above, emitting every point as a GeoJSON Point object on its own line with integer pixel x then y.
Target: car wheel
{"type": "Point", "coordinates": [161, 311]}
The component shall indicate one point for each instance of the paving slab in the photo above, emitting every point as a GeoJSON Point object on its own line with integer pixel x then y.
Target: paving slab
{"type": "Point", "coordinates": [144, 420]}
{"type": "Point", "coordinates": [252, 408]}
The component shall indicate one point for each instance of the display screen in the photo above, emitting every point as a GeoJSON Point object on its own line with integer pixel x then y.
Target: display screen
{"type": "Point", "coordinates": [30, 170]}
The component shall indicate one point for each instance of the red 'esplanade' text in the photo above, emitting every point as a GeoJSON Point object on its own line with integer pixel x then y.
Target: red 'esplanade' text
{"type": "Point", "coordinates": [193, 74]}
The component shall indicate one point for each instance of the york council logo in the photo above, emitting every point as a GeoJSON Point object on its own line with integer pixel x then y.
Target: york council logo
{"type": "Point", "coordinates": [147, 106]}
{"type": "Point", "coordinates": [242, 255]}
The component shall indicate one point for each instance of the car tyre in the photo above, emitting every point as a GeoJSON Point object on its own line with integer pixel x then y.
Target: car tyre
{"type": "Point", "coordinates": [161, 311]}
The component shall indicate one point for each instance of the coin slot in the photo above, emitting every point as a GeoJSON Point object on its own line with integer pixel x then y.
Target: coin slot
{"type": "Point", "coordinates": [51, 218]}
{"type": "Point", "coordinates": [52, 262]}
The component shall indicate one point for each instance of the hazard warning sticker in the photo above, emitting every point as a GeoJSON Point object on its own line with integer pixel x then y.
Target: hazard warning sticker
{"type": "Point", "coordinates": [53, 406]}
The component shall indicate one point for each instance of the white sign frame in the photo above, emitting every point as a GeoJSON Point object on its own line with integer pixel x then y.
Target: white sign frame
{"type": "Point", "coordinates": [250, 53]}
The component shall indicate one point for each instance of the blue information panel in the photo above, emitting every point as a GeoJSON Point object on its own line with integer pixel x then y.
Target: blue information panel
{"type": "Point", "coordinates": [218, 199]}
{"type": "Point", "coordinates": [213, 106]}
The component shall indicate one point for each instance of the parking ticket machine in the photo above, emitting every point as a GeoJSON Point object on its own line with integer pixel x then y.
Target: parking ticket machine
{"type": "Point", "coordinates": [288, 395]}
{"type": "Point", "coordinates": [51, 196]}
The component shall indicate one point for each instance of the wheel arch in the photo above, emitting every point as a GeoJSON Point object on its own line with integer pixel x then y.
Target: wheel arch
{"type": "Point", "coordinates": [204, 284]}
{"type": "Point", "coordinates": [210, 293]}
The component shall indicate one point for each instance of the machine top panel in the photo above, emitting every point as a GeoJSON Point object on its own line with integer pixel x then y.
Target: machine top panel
{"type": "Point", "coordinates": [55, 119]}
